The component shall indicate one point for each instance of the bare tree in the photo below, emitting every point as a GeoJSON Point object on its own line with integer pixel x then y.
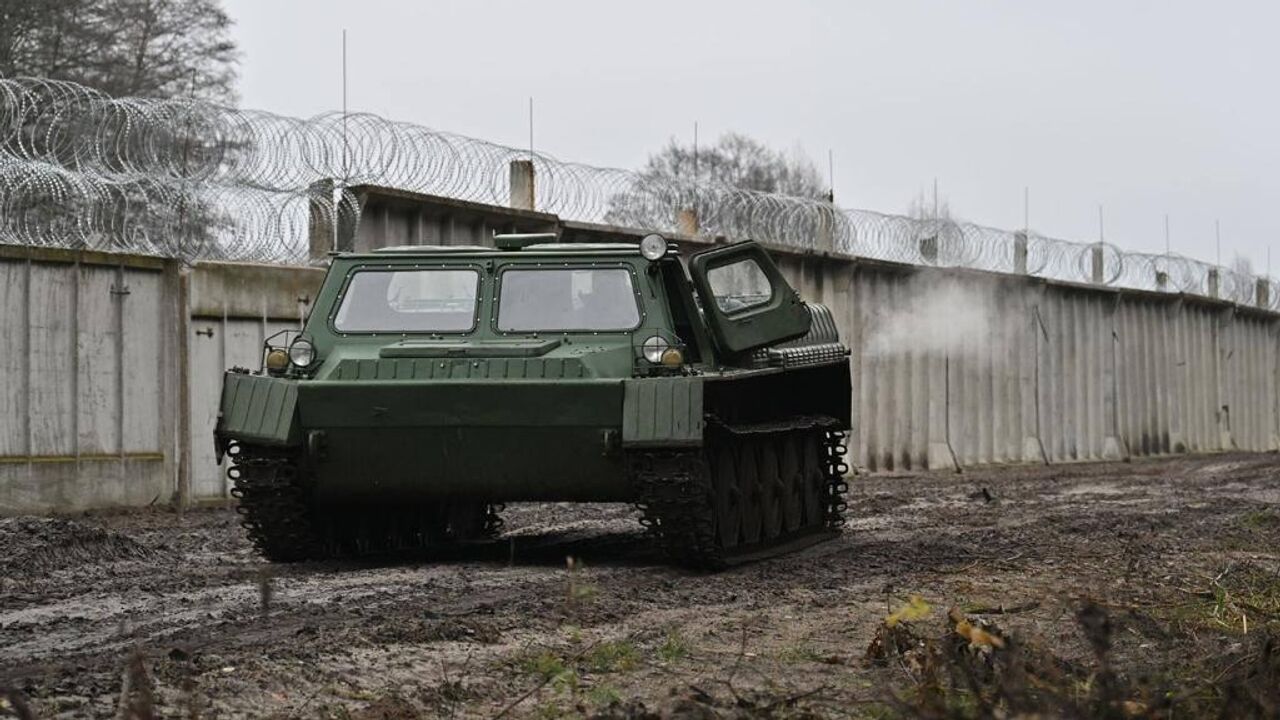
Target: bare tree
{"type": "Point", "coordinates": [741, 162]}
{"type": "Point", "coordinates": [938, 236]}
{"type": "Point", "coordinates": [924, 207]}
{"type": "Point", "coordinates": [50, 39]}
{"type": "Point", "coordinates": [159, 48]}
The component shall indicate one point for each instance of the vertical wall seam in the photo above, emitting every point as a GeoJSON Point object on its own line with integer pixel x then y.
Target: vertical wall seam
{"type": "Point", "coordinates": [29, 373]}
{"type": "Point", "coordinates": [119, 297]}
{"type": "Point", "coordinates": [1044, 455]}
{"type": "Point", "coordinates": [75, 362]}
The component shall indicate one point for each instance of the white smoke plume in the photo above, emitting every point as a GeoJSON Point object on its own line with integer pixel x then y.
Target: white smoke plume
{"type": "Point", "coordinates": [940, 314]}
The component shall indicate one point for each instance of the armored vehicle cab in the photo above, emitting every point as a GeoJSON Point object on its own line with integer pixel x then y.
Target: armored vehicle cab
{"type": "Point", "coordinates": [432, 384]}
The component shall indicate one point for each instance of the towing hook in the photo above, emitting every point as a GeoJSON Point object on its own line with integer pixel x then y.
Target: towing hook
{"type": "Point", "coordinates": [317, 445]}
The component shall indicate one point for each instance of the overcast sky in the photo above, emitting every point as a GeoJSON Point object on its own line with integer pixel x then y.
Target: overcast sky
{"type": "Point", "coordinates": [1145, 108]}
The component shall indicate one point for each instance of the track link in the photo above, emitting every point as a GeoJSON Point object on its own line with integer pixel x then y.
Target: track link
{"type": "Point", "coordinates": [675, 505]}
{"type": "Point", "coordinates": [285, 525]}
{"type": "Point", "coordinates": [706, 515]}
{"type": "Point", "coordinates": [274, 505]}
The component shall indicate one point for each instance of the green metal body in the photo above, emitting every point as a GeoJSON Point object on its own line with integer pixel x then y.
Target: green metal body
{"type": "Point", "coordinates": [507, 416]}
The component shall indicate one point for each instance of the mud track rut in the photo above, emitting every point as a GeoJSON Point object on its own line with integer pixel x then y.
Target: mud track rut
{"type": "Point", "coordinates": [468, 632]}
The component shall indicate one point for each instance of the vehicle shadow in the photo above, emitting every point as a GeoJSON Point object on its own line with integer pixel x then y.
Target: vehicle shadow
{"type": "Point", "coordinates": [551, 549]}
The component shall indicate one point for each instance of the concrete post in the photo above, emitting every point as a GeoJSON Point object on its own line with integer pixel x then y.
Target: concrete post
{"type": "Point", "coordinates": [1223, 355]}
{"type": "Point", "coordinates": [348, 210]}
{"type": "Point", "coordinates": [1215, 283]}
{"type": "Point", "coordinates": [1262, 293]}
{"type": "Point", "coordinates": [181, 279]}
{"type": "Point", "coordinates": [1031, 352]}
{"type": "Point", "coordinates": [938, 453]}
{"type": "Point", "coordinates": [1020, 253]}
{"type": "Point", "coordinates": [1112, 399]}
{"type": "Point", "coordinates": [929, 249]}
{"type": "Point", "coordinates": [522, 186]}
{"type": "Point", "coordinates": [826, 239]}
{"type": "Point", "coordinates": [320, 222]}
{"type": "Point", "coordinates": [1097, 264]}
{"type": "Point", "coordinates": [687, 222]}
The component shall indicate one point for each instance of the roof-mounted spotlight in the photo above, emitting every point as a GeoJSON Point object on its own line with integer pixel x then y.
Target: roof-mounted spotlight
{"type": "Point", "coordinates": [653, 247]}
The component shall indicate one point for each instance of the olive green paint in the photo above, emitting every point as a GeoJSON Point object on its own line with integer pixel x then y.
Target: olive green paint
{"type": "Point", "coordinates": [662, 411]}
{"type": "Point", "coordinates": [259, 409]}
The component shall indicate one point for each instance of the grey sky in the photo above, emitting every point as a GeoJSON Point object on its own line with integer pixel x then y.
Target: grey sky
{"type": "Point", "coordinates": [1142, 107]}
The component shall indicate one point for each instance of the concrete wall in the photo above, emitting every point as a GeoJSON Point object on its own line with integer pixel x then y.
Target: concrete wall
{"type": "Point", "coordinates": [1043, 371]}
{"type": "Point", "coordinates": [112, 364]}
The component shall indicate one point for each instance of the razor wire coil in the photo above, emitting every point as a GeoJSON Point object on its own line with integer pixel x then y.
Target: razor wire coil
{"type": "Point", "coordinates": [194, 180]}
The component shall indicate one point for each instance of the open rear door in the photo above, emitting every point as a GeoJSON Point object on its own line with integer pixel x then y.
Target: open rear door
{"type": "Point", "coordinates": [747, 302]}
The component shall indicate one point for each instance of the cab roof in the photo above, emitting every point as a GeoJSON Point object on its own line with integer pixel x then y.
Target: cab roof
{"type": "Point", "coordinates": [548, 248]}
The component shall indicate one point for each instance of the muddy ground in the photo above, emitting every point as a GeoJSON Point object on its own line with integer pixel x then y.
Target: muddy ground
{"type": "Point", "coordinates": [1144, 588]}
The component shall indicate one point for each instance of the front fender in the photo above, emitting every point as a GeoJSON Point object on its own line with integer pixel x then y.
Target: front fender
{"type": "Point", "coordinates": [662, 412]}
{"type": "Point", "coordinates": [257, 409]}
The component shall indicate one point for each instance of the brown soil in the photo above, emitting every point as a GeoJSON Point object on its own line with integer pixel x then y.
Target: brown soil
{"type": "Point", "coordinates": [1149, 588]}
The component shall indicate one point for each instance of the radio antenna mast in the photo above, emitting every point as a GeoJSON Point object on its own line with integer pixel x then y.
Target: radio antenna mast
{"type": "Point", "coordinates": [345, 146]}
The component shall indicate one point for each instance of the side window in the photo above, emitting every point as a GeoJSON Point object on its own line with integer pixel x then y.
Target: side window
{"type": "Point", "coordinates": [739, 286]}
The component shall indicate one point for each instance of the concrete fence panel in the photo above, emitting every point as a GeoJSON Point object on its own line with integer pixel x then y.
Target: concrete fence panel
{"type": "Point", "coordinates": [1249, 394]}
{"type": "Point", "coordinates": [85, 416]}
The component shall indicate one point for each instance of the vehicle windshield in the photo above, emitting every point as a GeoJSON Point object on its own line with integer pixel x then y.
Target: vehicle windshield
{"type": "Point", "coordinates": [409, 301]}
{"type": "Point", "coordinates": [595, 299]}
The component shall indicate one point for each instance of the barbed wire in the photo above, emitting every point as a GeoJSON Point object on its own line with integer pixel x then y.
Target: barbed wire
{"type": "Point", "coordinates": [194, 180]}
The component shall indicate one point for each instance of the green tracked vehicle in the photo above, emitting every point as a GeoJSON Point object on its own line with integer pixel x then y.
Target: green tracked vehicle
{"type": "Point", "coordinates": [432, 384]}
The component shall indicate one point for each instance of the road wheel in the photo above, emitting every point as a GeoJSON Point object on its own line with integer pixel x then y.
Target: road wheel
{"type": "Point", "coordinates": [465, 519]}
{"type": "Point", "coordinates": [727, 495]}
{"type": "Point", "coordinates": [793, 489]}
{"type": "Point", "coordinates": [814, 480]}
{"type": "Point", "coordinates": [773, 499]}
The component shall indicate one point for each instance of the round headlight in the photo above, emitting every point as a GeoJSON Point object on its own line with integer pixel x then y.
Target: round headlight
{"type": "Point", "coordinates": [672, 357]}
{"type": "Point", "coordinates": [653, 247]}
{"type": "Point", "coordinates": [302, 353]}
{"type": "Point", "coordinates": [654, 347]}
{"type": "Point", "coordinates": [277, 359]}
